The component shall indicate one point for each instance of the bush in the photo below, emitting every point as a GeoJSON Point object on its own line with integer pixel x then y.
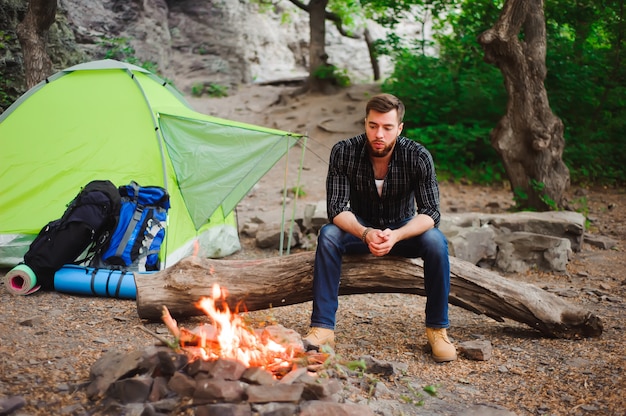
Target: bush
{"type": "Point", "coordinates": [461, 152]}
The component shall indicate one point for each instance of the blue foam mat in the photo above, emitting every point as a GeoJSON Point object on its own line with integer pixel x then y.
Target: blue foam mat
{"type": "Point", "coordinates": [97, 282]}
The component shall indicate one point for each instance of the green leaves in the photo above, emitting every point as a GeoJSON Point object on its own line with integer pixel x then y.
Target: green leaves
{"type": "Point", "coordinates": [454, 99]}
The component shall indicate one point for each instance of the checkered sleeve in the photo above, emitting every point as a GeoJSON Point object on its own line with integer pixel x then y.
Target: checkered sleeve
{"type": "Point", "coordinates": [427, 187]}
{"type": "Point", "coordinates": [337, 182]}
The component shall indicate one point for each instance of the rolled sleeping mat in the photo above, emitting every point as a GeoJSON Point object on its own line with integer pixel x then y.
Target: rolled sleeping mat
{"type": "Point", "coordinates": [98, 282]}
{"type": "Point", "coordinates": [21, 280]}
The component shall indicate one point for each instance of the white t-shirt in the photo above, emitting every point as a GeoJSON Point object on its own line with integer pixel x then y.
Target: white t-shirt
{"type": "Point", "coordinates": [379, 186]}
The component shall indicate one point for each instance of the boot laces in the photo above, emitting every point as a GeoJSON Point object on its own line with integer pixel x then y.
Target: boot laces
{"type": "Point", "coordinates": [439, 333]}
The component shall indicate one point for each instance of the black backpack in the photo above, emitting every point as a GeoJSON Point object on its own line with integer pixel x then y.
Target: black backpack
{"type": "Point", "coordinates": [84, 228]}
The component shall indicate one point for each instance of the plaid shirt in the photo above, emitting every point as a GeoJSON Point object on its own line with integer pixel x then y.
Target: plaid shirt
{"type": "Point", "coordinates": [411, 179]}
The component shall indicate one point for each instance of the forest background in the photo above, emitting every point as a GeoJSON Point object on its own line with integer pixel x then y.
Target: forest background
{"type": "Point", "coordinates": [454, 98]}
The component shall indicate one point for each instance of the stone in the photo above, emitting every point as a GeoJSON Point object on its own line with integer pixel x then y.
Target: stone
{"type": "Point", "coordinates": [563, 224]}
{"type": "Point", "coordinates": [227, 369]}
{"type": "Point", "coordinates": [385, 368]}
{"type": "Point", "coordinates": [131, 390]}
{"type": "Point", "coordinates": [293, 375]}
{"type": "Point", "coordinates": [199, 366]}
{"type": "Point", "coordinates": [473, 244]}
{"type": "Point", "coordinates": [321, 388]}
{"type": "Point", "coordinates": [318, 408]}
{"type": "Point", "coordinates": [479, 350]}
{"type": "Point", "coordinates": [32, 322]}
{"type": "Point", "coordinates": [278, 393]}
{"type": "Point", "coordinates": [314, 217]}
{"type": "Point", "coordinates": [223, 409]}
{"type": "Point", "coordinates": [212, 390]}
{"type": "Point", "coordinates": [468, 238]}
{"type": "Point", "coordinates": [286, 337]}
{"type": "Point", "coordinates": [10, 404]}
{"type": "Point", "coordinates": [276, 409]}
{"type": "Point", "coordinates": [520, 251]}
{"type": "Point", "coordinates": [258, 376]}
{"type": "Point", "coordinates": [381, 390]}
{"type": "Point", "coordinates": [250, 229]}
{"type": "Point", "coordinates": [110, 367]}
{"type": "Point", "coordinates": [159, 389]}
{"type": "Point", "coordinates": [182, 384]}
{"type": "Point", "coordinates": [600, 241]}
{"type": "Point", "coordinates": [269, 236]}
{"type": "Point", "coordinates": [170, 362]}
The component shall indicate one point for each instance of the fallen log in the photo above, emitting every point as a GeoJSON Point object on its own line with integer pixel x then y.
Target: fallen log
{"type": "Point", "coordinates": [280, 281]}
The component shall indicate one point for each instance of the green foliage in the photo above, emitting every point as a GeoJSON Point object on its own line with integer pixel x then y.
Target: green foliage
{"type": "Point", "coordinates": [5, 38]}
{"type": "Point", "coordinates": [431, 389]}
{"type": "Point", "coordinates": [586, 84]}
{"type": "Point", "coordinates": [454, 99]}
{"type": "Point", "coordinates": [217, 90]}
{"type": "Point", "coordinates": [120, 49]}
{"type": "Point", "coordinates": [197, 89]}
{"type": "Point", "coordinates": [212, 90]}
{"type": "Point", "coordinates": [438, 92]}
{"type": "Point", "coordinates": [297, 191]}
{"type": "Point", "coordinates": [520, 196]}
{"type": "Point", "coordinates": [357, 365]}
{"type": "Point", "coordinates": [414, 398]}
{"type": "Point", "coordinates": [461, 151]}
{"type": "Point", "coordinates": [8, 89]}
{"type": "Point", "coordinates": [5, 99]}
{"type": "Point", "coordinates": [451, 108]}
{"type": "Point", "coordinates": [332, 73]}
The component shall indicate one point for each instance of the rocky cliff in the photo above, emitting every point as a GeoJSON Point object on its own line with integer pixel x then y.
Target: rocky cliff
{"type": "Point", "coordinates": [191, 42]}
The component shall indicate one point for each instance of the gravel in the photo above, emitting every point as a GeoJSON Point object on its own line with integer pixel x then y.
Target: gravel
{"type": "Point", "coordinates": [49, 341]}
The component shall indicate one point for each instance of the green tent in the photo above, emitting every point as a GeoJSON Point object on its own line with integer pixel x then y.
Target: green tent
{"type": "Point", "coordinates": [112, 120]}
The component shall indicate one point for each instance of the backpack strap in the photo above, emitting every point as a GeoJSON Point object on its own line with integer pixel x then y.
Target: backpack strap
{"type": "Point", "coordinates": [129, 230]}
{"type": "Point", "coordinates": [133, 222]}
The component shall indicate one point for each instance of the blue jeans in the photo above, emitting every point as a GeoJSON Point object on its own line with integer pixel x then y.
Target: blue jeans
{"type": "Point", "coordinates": [333, 243]}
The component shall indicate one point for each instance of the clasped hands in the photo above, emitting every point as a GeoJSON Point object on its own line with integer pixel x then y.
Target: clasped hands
{"type": "Point", "coordinates": [380, 242]}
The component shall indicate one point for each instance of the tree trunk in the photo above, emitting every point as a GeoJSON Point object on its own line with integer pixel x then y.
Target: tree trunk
{"type": "Point", "coordinates": [369, 41]}
{"type": "Point", "coordinates": [32, 33]}
{"type": "Point", "coordinates": [287, 280]}
{"type": "Point", "coordinates": [317, 44]}
{"type": "Point", "coordinates": [529, 138]}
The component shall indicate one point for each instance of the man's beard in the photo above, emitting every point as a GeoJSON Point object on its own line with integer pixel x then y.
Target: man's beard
{"type": "Point", "coordinates": [379, 153]}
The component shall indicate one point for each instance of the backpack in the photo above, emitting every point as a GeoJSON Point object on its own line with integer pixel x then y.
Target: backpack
{"type": "Point", "coordinates": [84, 228]}
{"type": "Point", "coordinates": [136, 241]}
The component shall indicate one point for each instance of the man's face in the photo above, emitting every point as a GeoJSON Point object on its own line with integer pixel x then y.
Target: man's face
{"type": "Point", "coordinates": [382, 130]}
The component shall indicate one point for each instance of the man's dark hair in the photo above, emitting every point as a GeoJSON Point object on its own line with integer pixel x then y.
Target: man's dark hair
{"type": "Point", "coordinates": [384, 103]}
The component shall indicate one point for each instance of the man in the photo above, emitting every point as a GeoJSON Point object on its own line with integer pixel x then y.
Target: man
{"type": "Point", "coordinates": [382, 197]}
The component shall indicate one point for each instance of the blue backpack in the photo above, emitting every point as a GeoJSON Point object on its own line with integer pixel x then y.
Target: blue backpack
{"type": "Point", "coordinates": [136, 242]}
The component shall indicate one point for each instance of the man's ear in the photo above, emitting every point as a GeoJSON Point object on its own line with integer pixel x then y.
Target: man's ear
{"type": "Point", "coordinates": [400, 126]}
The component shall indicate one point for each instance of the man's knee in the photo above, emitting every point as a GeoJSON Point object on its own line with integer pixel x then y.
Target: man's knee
{"type": "Point", "coordinates": [434, 239]}
{"type": "Point", "coordinates": [329, 232]}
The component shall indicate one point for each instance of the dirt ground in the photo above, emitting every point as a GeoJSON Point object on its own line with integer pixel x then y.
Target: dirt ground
{"type": "Point", "coordinates": [49, 341]}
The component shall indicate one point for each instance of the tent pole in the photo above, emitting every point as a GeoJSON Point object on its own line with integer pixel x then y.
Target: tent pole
{"type": "Point", "coordinates": [282, 218]}
{"type": "Point", "coordinates": [297, 193]}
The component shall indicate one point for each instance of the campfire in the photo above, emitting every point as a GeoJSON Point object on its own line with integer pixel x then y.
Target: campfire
{"type": "Point", "coordinates": [273, 348]}
{"type": "Point", "coordinates": [221, 367]}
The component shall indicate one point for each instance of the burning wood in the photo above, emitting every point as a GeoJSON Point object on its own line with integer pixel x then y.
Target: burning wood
{"type": "Point", "coordinates": [224, 367]}
{"type": "Point", "coordinates": [273, 348]}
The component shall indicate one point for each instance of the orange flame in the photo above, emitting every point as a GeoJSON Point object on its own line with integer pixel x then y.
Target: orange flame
{"type": "Point", "coordinates": [229, 337]}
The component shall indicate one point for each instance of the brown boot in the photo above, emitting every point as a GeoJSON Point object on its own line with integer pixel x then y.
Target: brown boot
{"type": "Point", "coordinates": [318, 337]}
{"type": "Point", "coordinates": [442, 348]}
